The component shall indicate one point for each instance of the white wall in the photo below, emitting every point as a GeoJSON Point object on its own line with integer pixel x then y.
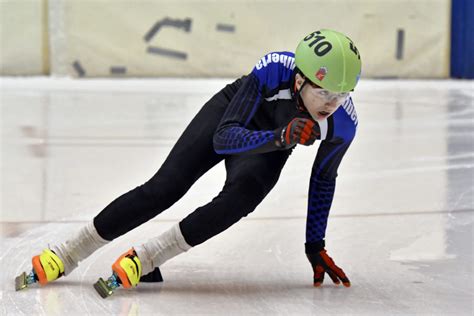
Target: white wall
{"type": "Point", "coordinates": [100, 34]}
{"type": "Point", "coordinates": [23, 37]}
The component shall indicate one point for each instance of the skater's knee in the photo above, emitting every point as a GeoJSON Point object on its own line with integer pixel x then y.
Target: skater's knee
{"type": "Point", "coordinates": [247, 193]}
{"type": "Point", "coordinates": [164, 189]}
{"type": "Point", "coordinates": [250, 187]}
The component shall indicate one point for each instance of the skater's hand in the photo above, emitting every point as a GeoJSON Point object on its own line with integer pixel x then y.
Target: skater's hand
{"type": "Point", "coordinates": [322, 264]}
{"type": "Point", "coordinates": [299, 131]}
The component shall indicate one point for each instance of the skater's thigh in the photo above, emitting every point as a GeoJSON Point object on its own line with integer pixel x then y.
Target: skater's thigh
{"type": "Point", "coordinates": [193, 154]}
{"type": "Point", "coordinates": [262, 170]}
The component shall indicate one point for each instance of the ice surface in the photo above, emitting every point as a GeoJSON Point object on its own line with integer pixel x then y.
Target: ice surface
{"type": "Point", "coordinates": [401, 225]}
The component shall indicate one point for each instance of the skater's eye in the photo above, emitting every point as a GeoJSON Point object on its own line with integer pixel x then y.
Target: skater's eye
{"type": "Point", "coordinates": [323, 93]}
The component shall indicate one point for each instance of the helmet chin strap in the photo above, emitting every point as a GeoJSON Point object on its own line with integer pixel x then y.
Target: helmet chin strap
{"type": "Point", "coordinates": [299, 100]}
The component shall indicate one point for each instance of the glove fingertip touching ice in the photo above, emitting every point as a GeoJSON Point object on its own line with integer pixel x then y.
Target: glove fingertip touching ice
{"type": "Point", "coordinates": [322, 263]}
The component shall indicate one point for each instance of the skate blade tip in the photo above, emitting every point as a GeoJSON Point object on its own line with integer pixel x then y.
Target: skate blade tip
{"type": "Point", "coordinates": [101, 287]}
{"type": "Point", "coordinates": [20, 282]}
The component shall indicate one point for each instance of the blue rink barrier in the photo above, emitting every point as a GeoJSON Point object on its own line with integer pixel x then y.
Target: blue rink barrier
{"type": "Point", "coordinates": [462, 39]}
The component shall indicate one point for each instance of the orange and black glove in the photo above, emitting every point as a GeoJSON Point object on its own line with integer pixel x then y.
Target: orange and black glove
{"type": "Point", "coordinates": [302, 131]}
{"type": "Point", "coordinates": [322, 264]}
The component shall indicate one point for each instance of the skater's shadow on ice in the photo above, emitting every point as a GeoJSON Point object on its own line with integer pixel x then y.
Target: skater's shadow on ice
{"type": "Point", "coordinates": [63, 283]}
{"type": "Point", "coordinates": [232, 288]}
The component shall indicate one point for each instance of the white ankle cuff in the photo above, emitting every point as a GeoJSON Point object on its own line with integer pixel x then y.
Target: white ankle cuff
{"type": "Point", "coordinates": [158, 250]}
{"type": "Point", "coordinates": [80, 246]}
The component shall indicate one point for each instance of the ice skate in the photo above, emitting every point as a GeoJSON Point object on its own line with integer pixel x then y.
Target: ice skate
{"type": "Point", "coordinates": [126, 272]}
{"type": "Point", "coordinates": [47, 267]}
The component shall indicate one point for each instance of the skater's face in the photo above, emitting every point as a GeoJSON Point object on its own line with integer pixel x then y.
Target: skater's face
{"type": "Point", "coordinates": [319, 102]}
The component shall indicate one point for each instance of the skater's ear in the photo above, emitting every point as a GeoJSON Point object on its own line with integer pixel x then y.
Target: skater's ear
{"type": "Point", "coordinates": [299, 80]}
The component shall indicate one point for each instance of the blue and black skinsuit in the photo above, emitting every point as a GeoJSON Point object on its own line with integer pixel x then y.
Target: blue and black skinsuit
{"type": "Point", "coordinates": [237, 126]}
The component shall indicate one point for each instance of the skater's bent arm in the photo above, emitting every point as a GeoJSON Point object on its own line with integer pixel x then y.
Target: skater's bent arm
{"type": "Point", "coordinates": [269, 81]}
{"type": "Point", "coordinates": [232, 136]}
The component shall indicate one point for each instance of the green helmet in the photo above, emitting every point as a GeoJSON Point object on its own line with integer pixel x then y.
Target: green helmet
{"type": "Point", "coordinates": [329, 59]}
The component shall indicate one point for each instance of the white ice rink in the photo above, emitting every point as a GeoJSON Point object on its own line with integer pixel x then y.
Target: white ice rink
{"type": "Point", "coordinates": [401, 225]}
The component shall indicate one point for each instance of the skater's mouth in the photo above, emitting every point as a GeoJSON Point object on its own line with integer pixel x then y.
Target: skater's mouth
{"type": "Point", "coordinates": [323, 113]}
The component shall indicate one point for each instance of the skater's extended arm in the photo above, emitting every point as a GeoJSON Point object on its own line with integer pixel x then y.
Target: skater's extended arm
{"type": "Point", "coordinates": [339, 135]}
{"type": "Point", "coordinates": [322, 186]}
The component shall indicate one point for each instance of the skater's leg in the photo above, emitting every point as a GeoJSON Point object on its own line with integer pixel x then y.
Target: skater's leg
{"type": "Point", "coordinates": [130, 210]}
{"type": "Point", "coordinates": [190, 158]}
{"type": "Point", "coordinates": [249, 180]}
{"type": "Point", "coordinates": [174, 178]}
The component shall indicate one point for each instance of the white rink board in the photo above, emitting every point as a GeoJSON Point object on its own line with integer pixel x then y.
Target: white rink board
{"type": "Point", "coordinates": [188, 38]}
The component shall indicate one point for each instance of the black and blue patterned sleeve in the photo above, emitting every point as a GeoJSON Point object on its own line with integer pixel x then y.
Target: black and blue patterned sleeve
{"type": "Point", "coordinates": [338, 132]}
{"type": "Point", "coordinates": [269, 80]}
{"type": "Point", "coordinates": [232, 136]}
